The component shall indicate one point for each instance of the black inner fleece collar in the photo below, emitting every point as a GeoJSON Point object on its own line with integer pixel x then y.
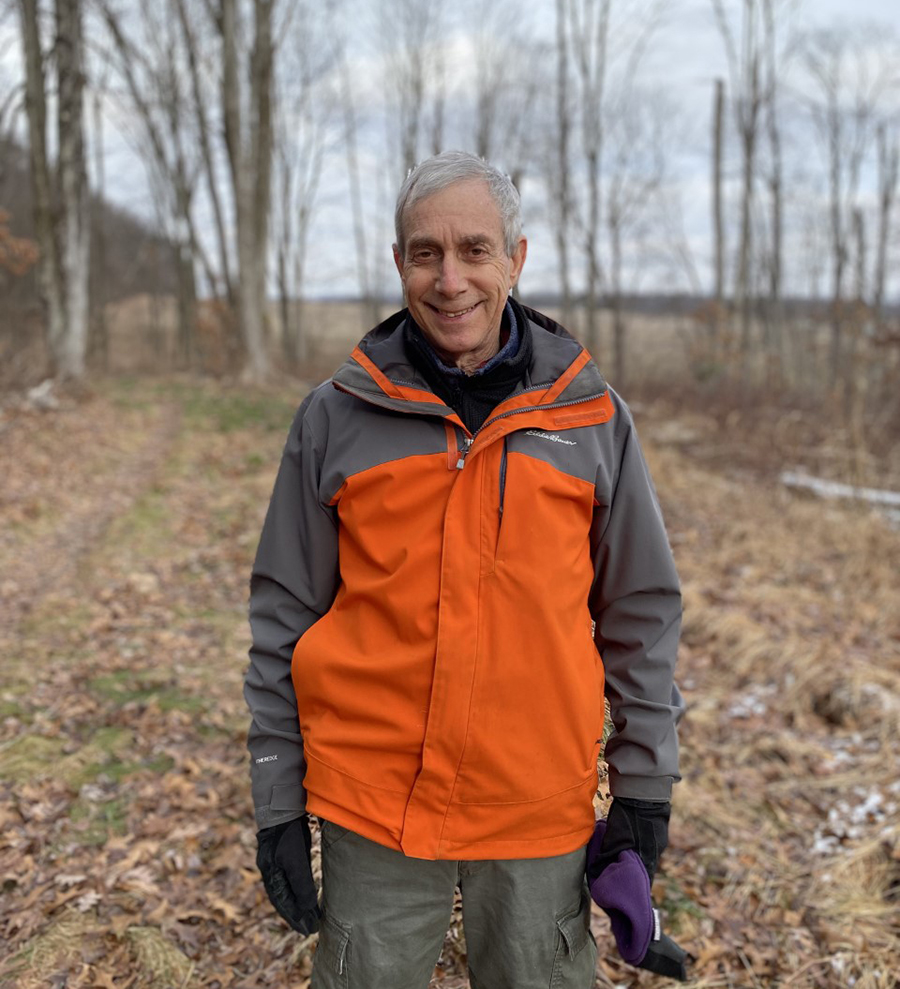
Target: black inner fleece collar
{"type": "Point", "coordinates": [472, 397]}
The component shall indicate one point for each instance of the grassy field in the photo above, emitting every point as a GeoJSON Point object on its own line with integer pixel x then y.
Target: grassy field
{"type": "Point", "coordinates": [128, 522]}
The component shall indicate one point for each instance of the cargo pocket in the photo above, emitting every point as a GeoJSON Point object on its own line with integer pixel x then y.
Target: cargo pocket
{"type": "Point", "coordinates": [331, 962]}
{"type": "Point", "coordinates": [576, 950]}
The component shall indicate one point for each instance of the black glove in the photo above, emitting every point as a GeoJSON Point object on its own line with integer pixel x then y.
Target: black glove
{"type": "Point", "coordinates": [665, 957]}
{"type": "Point", "coordinates": [631, 839]}
{"type": "Point", "coordinates": [284, 860]}
{"type": "Point", "coordinates": [641, 825]}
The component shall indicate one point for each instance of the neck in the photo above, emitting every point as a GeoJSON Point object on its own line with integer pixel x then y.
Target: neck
{"type": "Point", "coordinates": [469, 363]}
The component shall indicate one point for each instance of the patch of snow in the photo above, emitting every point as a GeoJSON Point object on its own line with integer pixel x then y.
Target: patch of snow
{"type": "Point", "coordinates": [752, 702]}
{"type": "Point", "coordinates": [833, 489]}
{"type": "Point", "coordinates": [851, 820]}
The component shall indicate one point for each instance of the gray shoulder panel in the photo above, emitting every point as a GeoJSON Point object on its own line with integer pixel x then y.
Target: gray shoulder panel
{"type": "Point", "coordinates": [353, 435]}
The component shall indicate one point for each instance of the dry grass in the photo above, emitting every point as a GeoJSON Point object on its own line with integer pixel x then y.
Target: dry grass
{"type": "Point", "coordinates": [790, 807]}
{"type": "Point", "coordinates": [57, 948]}
{"type": "Point", "coordinates": [162, 965]}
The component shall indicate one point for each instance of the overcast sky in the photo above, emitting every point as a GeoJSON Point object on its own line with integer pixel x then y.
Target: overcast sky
{"type": "Point", "coordinates": [685, 58]}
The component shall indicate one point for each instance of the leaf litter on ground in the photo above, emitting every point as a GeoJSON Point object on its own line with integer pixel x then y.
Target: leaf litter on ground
{"type": "Point", "coordinates": [128, 522]}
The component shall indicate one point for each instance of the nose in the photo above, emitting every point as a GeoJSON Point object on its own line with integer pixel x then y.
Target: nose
{"type": "Point", "coordinates": [451, 278]}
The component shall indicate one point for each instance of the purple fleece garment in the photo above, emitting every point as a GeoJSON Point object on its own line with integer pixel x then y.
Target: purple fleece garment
{"type": "Point", "coordinates": [623, 891]}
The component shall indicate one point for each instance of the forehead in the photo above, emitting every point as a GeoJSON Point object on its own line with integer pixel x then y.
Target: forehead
{"type": "Point", "coordinates": [464, 210]}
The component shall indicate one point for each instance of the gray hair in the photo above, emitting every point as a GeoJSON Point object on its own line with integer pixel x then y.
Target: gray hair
{"type": "Point", "coordinates": [435, 174]}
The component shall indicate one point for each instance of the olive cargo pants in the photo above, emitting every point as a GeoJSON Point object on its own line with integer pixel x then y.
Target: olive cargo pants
{"type": "Point", "coordinates": [527, 921]}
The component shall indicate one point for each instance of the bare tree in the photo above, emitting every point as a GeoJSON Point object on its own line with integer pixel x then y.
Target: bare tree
{"type": "Point", "coordinates": [205, 137]}
{"type": "Point", "coordinates": [848, 82]}
{"type": "Point", "coordinates": [560, 172]}
{"type": "Point", "coordinates": [74, 196]}
{"type": "Point", "coordinates": [589, 39]}
{"type": "Point", "coordinates": [370, 314]}
{"type": "Point", "coordinates": [635, 168]}
{"type": "Point", "coordinates": [49, 271]}
{"type": "Point", "coordinates": [503, 75]}
{"type": "Point", "coordinates": [152, 66]}
{"type": "Point", "coordinates": [775, 178]}
{"type": "Point", "coordinates": [718, 217]}
{"type": "Point", "coordinates": [744, 55]}
{"type": "Point", "coordinates": [64, 238]}
{"type": "Point", "coordinates": [602, 37]}
{"type": "Point", "coordinates": [304, 107]}
{"type": "Point", "coordinates": [11, 89]}
{"type": "Point", "coordinates": [99, 344]}
{"type": "Point", "coordinates": [249, 141]}
{"type": "Point", "coordinates": [888, 175]}
{"type": "Point", "coordinates": [412, 41]}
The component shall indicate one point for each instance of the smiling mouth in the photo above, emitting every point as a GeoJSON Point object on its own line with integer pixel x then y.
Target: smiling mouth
{"type": "Point", "coordinates": [449, 314]}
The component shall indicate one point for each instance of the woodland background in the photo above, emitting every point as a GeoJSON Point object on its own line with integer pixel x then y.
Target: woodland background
{"type": "Point", "coordinates": [151, 358]}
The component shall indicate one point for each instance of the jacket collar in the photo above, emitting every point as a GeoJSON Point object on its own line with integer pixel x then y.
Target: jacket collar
{"type": "Point", "coordinates": [379, 370]}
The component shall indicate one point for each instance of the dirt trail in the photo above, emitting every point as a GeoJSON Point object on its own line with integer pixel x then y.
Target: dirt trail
{"type": "Point", "coordinates": [70, 473]}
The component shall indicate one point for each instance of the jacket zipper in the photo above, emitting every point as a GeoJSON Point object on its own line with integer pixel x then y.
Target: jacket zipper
{"type": "Point", "coordinates": [502, 478]}
{"type": "Point", "coordinates": [464, 452]}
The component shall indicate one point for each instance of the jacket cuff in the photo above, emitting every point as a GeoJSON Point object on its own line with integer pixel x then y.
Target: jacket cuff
{"type": "Point", "coordinates": [288, 802]}
{"type": "Point", "coordinates": [640, 787]}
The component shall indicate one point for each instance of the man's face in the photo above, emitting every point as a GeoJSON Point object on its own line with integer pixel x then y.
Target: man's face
{"type": "Point", "coordinates": [456, 273]}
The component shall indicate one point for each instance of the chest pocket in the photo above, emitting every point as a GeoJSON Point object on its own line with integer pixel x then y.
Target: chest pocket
{"type": "Point", "coordinates": [534, 515]}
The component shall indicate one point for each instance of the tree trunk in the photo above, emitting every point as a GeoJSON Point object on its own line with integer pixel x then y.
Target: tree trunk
{"type": "Point", "coordinates": [838, 250]}
{"type": "Point", "coordinates": [285, 175]}
{"type": "Point", "coordinates": [250, 163]}
{"type": "Point", "coordinates": [562, 176]}
{"type": "Point", "coordinates": [718, 218]}
{"type": "Point", "coordinates": [288, 343]}
{"type": "Point", "coordinates": [49, 274]}
{"type": "Point", "coordinates": [775, 315]}
{"type": "Point", "coordinates": [100, 345]}
{"type": "Point", "coordinates": [356, 206]}
{"type": "Point", "coordinates": [777, 259]}
{"type": "Point", "coordinates": [592, 255]}
{"type": "Point", "coordinates": [440, 90]}
{"type": "Point", "coordinates": [742, 289]}
{"type": "Point", "coordinates": [206, 148]}
{"type": "Point", "coordinates": [261, 141]}
{"type": "Point", "coordinates": [590, 36]}
{"type": "Point", "coordinates": [187, 297]}
{"type": "Point", "coordinates": [618, 317]}
{"type": "Point", "coordinates": [301, 336]}
{"type": "Point", "coordinates": [74, 197]}
{"type": "Point", "coordinates": [888, 173]}
{"type": "Point", "coordinates": [859, 236]}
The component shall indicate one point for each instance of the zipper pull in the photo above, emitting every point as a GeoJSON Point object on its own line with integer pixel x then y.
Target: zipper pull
{"type": "Point", "coordinates": [467, 442]}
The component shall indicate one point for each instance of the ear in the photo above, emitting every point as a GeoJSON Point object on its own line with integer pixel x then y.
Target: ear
{"type": "Point", "coordinates": [398, 261]}
{"type": "Point", "coordinates": [517, 261]}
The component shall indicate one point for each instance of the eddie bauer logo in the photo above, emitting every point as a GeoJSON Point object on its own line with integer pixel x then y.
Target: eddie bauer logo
{"type": "Point", "coordinates": [553, 437]}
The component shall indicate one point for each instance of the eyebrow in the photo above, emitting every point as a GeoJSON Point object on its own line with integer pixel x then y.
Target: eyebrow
{"type": "Point", "coordinates": [415, 243]}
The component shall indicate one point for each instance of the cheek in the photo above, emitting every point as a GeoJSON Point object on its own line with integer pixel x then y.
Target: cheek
{"type": "Point", "coordinates": [413, 283]}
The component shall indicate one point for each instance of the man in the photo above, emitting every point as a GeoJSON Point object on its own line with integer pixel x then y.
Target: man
{"type": "Point", "coordinates": [462, 525]}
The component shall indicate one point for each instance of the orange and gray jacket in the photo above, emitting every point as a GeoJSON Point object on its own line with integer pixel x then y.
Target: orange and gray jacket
{"type": "Point", "coordinates": [429, 609]}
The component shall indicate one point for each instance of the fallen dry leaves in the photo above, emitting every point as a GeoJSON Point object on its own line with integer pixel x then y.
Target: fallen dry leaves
{"type": "Point", "coordinates": [127, 527]}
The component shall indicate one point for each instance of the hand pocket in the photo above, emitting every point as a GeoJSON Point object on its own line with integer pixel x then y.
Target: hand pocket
{"type": "Point", "coordinates": [331, 833]}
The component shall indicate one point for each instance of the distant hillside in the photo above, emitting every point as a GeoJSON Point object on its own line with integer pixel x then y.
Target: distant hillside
{"type": "Point", "coordinates": [136, 259]}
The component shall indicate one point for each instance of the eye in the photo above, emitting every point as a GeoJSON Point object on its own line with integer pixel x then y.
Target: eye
{"type": "Point", "coordinates": [423, 256]}
{"type": "Point", "coordinates": [477, 251]}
